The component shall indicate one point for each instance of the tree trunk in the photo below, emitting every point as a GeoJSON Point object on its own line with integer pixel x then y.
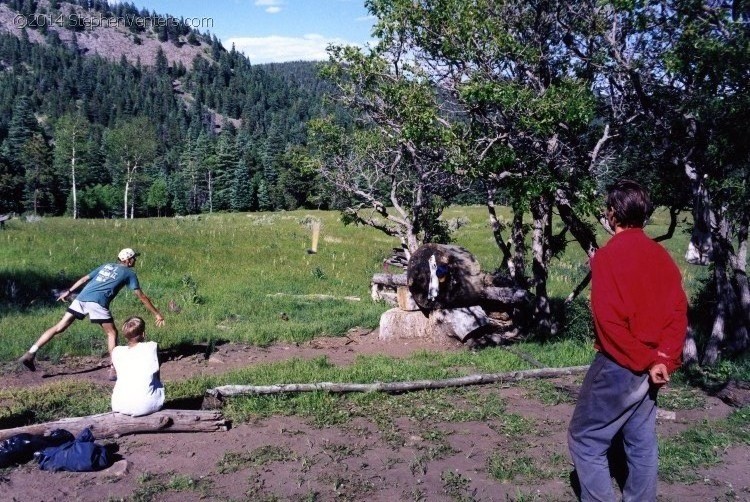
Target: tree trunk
{"type": "Point", "coordinates": [496, 228]}
{"type": "Point", "coordinates": [583, 234]}
{"type": "Point", "coordinates": [74, 187]}
{"type": "Point", "coordinates": [724, 297]}
{"type": "Point", "coordinates": [701, 246]}
{"type": "Point", "coordinates": [132, 199]}
{"type": "Point", "coordinates": [112, 425]}
{"type": "Point", "coordinates": [393, 387]}
{"type": "Point", "coordinates": [730, 330]}
{"type": "Point", "coordinates": [690, 349]}
{"type": "Point", "coordinates": [125, 203]}
{"type": "Point", "coordinates": [541, 211]}
{"type": "Point", "coordinates": [739, 266]}
{"type": "Point", "coordinates": [518, 236]}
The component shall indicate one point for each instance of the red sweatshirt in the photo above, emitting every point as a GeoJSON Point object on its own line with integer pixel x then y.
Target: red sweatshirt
{"type": "Point", "coordinates": [639, 306]}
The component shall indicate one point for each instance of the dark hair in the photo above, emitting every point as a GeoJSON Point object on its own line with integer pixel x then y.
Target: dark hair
{"type": "Point", "coordinates": [133, 327]}
{"type": "Point", "coordinates": [630, 203]}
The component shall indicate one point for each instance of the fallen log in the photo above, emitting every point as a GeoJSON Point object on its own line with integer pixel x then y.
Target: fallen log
{"type": "Point", "coordinates": [112, 424]}
{"type": "Point", "coordinates": [318, 297]}
{"type": "Point", "coordinates": [391, 280]}
{"type": "Point", "coordinates": [393, 387]}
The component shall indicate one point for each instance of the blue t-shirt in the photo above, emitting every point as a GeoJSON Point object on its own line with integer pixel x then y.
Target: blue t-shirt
{"type": "Point", "coordinates": [106, 281]}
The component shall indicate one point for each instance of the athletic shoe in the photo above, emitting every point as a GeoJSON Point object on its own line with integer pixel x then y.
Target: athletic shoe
{"type": "Point", "coordinates": [28, 361]}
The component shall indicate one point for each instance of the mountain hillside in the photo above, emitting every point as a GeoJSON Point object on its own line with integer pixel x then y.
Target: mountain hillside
{"type": "Point", "coordinates": [112, 32]}
{"type": "Point", "coordinates": [204, 128]}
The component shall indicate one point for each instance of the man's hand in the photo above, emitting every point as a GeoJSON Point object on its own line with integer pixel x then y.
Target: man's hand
{"type": "Point", "coordinates": [159, 320]}
{"type": "Point", "coordinates": [63, 296]}
{"type": "Point", "coordinates": [658, 374]}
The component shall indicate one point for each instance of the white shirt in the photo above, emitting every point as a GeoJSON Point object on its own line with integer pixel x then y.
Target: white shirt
{"type": "Point", "coordinates": [138, 390]}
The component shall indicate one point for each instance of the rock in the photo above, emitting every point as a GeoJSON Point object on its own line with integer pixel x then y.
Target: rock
{"type": "Point", "coordinates": [665, 415]}
{"type": "Point", "coordinates": [119, 468]}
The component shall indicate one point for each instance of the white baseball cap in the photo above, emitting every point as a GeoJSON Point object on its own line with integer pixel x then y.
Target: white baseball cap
{"type": "Point", "coordinates": [127, 254]}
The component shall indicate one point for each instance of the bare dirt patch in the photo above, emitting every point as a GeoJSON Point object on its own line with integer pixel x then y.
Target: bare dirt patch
{"type": "Point", "coordinates": [288, 458]}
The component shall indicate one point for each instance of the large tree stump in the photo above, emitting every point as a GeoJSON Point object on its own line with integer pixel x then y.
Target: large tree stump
{"type": "Point", "coordinates": [438, 326]}
{"type": "Point", "coordinates": [442, 276]}
{"type": "Point", "coordinates": [108, 425]}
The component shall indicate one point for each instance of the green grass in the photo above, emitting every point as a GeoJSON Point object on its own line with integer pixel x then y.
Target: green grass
{"type": "Point", "coordinates": [59, 400]}
{"type": "Point", "coordinates": [702, 446]}
{"type": "Point", "coordinates": [51, 402]}
{"type": "Point", "coordinates": [152, 487]}
{"type": "Point", "coordinates": [232, 275]}
{"type": "Point", "coordinates": [224, 271]}
{"type": "Point", "coordinates": [233, 461]}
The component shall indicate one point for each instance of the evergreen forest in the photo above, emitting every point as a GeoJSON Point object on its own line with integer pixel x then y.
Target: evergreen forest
{"type": "Point", "coordinates": [89, 137]}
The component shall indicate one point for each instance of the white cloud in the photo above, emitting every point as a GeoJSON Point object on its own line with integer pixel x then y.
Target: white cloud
{"type": "Point", "coordinates": [271, 6]}
{"type": "Point", "coordinates": [278, 49]}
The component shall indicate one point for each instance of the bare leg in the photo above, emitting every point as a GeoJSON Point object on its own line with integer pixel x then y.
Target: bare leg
{"type": "Point", "coordinates": [58, 328]}
{"type": "Point", "coordinates": [111, 331]}
{"type": "Point", "coordinates": [28, 358]}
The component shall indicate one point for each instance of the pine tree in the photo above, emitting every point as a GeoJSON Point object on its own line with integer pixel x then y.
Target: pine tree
{"type": "Point", "coordinates": [242, 189]}
{"type": "Point", "coordinates": [11, 186]}
{"type": "Point", "coordinates": [22, 127]}
{"type": "Point", "coordinates": [39, 189]}
{"type": "Point", "coordinates": [265, 203]}
{"type": "Point", "coordinates": [161, 64]}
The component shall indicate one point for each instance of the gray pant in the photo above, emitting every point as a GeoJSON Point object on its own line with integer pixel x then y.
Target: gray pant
{"type": "Point", "coordinates": [614, 400]}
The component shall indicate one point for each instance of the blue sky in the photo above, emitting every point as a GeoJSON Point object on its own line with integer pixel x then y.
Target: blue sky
{"type": "Point", "coordinates": [275, 30]}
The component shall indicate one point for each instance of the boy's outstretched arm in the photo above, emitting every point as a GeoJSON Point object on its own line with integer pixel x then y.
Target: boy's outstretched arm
{"type": "Point", "coordinates": [150, 306]}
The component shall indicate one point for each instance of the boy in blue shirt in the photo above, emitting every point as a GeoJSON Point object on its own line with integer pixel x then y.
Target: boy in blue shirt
{"type": "Point", "coordinates": [102, 285]}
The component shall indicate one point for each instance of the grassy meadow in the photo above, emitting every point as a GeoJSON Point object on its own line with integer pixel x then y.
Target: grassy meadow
{"type": "Point", "coordinates": [234, 277]}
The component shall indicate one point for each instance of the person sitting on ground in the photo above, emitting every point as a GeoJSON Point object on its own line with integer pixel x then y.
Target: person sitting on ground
{"type": "Point", "coordinates": [138, 390]}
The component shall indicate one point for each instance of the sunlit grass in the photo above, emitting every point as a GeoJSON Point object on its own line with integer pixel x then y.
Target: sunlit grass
{"type": "Point", "coordinates": [235, 277]}
{"type": "Point", "coordinates": [703, 445]}
{"type": "Point", "coordinates": [224, 272]}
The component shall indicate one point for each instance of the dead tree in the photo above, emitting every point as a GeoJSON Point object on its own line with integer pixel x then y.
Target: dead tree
{"type": "Point", "coordinates": [443, 276]}
{"type": "Point", "coordinates": [392, 387]}
{"type": "Point", "coordinates": [112, 424]}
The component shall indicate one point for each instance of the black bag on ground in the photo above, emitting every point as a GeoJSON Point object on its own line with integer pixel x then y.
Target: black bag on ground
{"type": "Point", "coordinates": [20, 448]}
{"type": "Point", "coordinates": [81, 455]}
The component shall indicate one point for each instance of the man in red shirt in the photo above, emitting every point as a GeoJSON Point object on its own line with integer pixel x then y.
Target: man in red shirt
{"type": "Point", "coordinates": [640, 317]}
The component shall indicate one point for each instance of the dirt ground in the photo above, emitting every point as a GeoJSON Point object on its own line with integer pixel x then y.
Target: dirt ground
{"type": "Point", "coordinates": [286, 458]}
